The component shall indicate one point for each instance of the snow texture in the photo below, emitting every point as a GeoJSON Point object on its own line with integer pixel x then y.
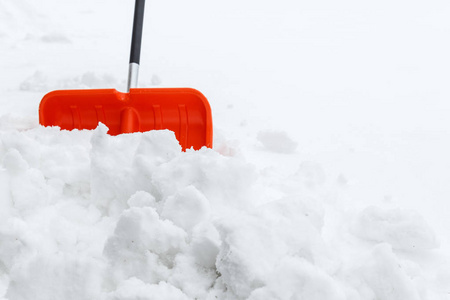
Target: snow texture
{"type": "Point", "coordinates": [328, 178]}
{"type": "Point", "coordinates": [88, 215]}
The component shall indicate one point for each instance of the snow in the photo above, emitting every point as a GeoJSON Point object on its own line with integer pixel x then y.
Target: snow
{"type": "Point", "coordinates": [329, 173]}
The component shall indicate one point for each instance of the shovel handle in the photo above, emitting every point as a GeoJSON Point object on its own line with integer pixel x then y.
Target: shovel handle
{"type": "Point", "coordinates": [136, 38]}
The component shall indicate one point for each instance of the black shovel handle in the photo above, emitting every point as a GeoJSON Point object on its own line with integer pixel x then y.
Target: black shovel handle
{"type": "Point", "coordinates": [136, 38]}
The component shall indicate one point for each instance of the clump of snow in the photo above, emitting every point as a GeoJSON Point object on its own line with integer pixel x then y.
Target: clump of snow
{"type": "Point", "coordinates": [387, 277]}
{"type": "Point", "coordinates": [187, 208]}
{"type": "Point", "coordinates": [291, 231]}
{"type": "Point", "coordinates": [277, 141]}
{"type": "Point", "coordinates": [143, 246]}
{"type": "Point", "coordinates": [403, 230]}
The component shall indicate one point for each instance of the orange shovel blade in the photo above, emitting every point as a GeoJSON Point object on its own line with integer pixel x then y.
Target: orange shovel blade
{"type": "Point", "coordinates": [184, 111]}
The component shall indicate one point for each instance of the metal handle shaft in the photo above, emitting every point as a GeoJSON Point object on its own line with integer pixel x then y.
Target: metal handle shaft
{"type": "Point", "coordinates": [136, 39]}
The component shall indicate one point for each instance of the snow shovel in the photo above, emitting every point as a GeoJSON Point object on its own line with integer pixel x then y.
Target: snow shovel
{"type": "Point", "coordinates": [184, 111]}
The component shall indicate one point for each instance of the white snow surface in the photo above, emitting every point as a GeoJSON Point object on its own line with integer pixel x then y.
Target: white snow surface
{"type": "Point", "coordinates": [328, 179]}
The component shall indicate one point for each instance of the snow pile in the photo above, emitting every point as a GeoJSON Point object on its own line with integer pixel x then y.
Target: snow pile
{"type": "Point", "coordinates": [85, 215]}
{"type": "Point", "coordinates": [320, 186]}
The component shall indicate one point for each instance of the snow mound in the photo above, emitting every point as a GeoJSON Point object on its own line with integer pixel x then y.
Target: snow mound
{"type": "Point", "coordinates": [85, 215]}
